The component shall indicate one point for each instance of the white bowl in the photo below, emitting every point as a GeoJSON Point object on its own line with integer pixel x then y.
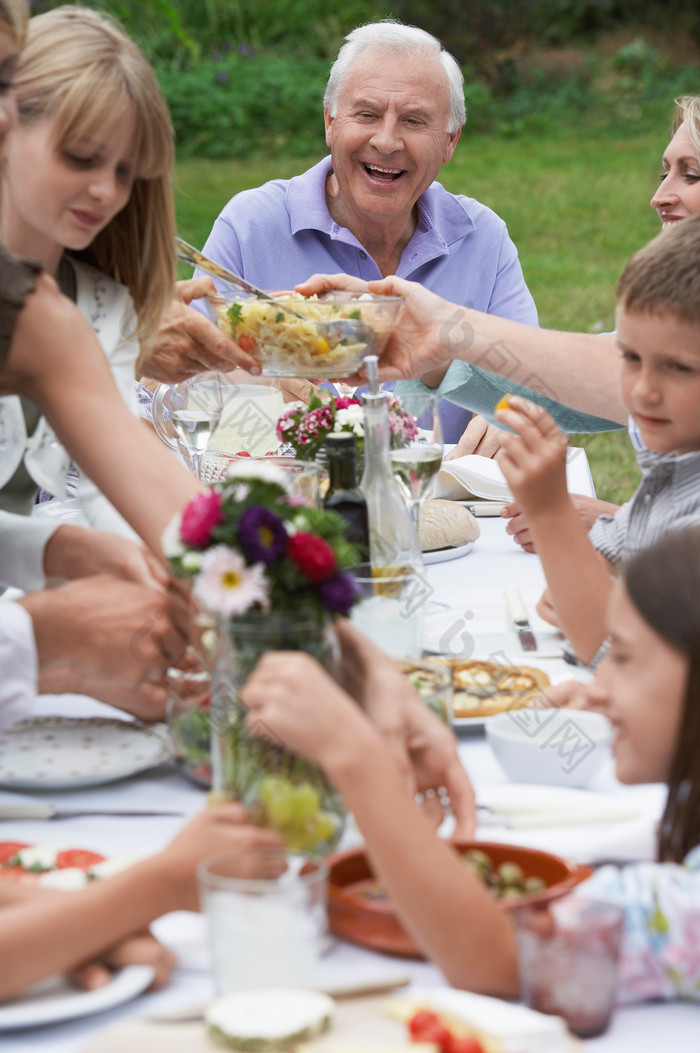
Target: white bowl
{"type": "Point", "coordinates": [559, 747]}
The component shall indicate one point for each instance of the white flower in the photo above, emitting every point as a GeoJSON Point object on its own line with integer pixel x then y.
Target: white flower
{"type": "Point", "coordinates": [191, 562]}
{"type": "Point", "coordinates": [350, 419]}
{"type": "Point", "coordinates": [256, 469]}
{"type": "Point", "coordinates": [299, 523]}
{"type": "Point", "coordinates": [171, 541]}
{"type": "Point", "coordinates": [225, 585]}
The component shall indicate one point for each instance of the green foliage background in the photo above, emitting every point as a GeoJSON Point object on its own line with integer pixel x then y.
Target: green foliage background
{"type": "Point", "coordinates": [245, 80]}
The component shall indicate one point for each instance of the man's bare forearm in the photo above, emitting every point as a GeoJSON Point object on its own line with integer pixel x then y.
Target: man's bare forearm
{"type": "Point", "coordinates": [579, 369]}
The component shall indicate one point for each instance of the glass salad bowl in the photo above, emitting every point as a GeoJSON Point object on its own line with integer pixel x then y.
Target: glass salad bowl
{"type": "Point", "coordinates": [323, 337]}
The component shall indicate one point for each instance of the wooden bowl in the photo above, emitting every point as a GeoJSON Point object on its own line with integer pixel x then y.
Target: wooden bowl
{"type": "Point", "coordinates": [375, 924]}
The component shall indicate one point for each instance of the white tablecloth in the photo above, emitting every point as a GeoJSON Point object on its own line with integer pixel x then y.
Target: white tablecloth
{"type": "Point", "coordinates": [472, 584]}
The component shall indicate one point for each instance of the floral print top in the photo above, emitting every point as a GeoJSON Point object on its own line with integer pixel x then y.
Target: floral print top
{"type": "Point", "coordinates": [661, 950]}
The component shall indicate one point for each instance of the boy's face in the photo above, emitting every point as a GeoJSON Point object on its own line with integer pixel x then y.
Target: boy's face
{"type": "Point", "coordinates": [660, 378]}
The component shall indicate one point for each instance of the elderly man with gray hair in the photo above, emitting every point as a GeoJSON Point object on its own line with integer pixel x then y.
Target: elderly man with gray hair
{"type": "Point", "coordinates": [394, 111]}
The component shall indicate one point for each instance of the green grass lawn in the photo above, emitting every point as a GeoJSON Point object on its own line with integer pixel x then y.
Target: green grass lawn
{"type": "Point", "coordinates": [576, 204]}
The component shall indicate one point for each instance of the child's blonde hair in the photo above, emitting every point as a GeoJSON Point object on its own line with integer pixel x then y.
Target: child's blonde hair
{"type": "Point", "coordinates": [80, 68]}
{"type": "Point", "coordinates": [13, 14]}
{"type": "Point", "coordinates": [664, 276]}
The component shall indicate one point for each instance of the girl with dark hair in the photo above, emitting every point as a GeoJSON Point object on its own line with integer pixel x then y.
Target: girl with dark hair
{"type": "Point", "coordinates": [649, 687]}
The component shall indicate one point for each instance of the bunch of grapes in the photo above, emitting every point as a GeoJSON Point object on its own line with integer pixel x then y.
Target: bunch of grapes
{"type": "Point", "coordinates": [295, 812]}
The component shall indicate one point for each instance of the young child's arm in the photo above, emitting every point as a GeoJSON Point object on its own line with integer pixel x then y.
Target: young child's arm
{"type": "Point", "coordinates": [447, 909]}
{"type": "Point", "coordinates": [423, 747]}
{"type": "Point", "coordinates": [55, 934]}
{"type": "Point", "coordinates": [579, 579]}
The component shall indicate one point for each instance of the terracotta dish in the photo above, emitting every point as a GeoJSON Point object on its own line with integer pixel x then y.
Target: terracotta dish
{"type": "Point", "coordinates": [374, 923]}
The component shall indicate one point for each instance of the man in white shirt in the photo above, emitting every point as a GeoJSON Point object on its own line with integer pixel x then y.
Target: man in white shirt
{"type": "Point", "coordinates": [98, 636]}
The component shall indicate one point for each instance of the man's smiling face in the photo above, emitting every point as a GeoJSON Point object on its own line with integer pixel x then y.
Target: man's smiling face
{"type": "Point", "coordinates": [389, 138]}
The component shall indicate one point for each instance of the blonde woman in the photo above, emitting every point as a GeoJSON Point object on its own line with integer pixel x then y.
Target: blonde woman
{"type": "Point", "coordinates": [85, 193]}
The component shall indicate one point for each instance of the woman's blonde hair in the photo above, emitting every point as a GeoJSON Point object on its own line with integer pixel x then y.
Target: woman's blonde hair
{"type": "Point", "coordinates": [81, 69]}
{"type": "Point", "coordinates": [13, 14]}
{"type": "Point", "coordinates": [687, 112]}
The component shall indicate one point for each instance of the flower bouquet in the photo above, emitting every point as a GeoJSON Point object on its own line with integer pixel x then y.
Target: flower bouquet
{"type": "Point", "coordinates": [271, 570]}
{"type": "Point", "coordinates": [305, 427]}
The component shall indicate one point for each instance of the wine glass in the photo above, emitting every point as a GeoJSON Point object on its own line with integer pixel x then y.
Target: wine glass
{"type": "Point", "coordinates": [194, 409]}
{"type": "Point", "coordinates": [417, 463]}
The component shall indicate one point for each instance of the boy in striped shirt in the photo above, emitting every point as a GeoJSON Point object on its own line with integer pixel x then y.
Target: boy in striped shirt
{"type": "Point", "coordinates": [658, 334]}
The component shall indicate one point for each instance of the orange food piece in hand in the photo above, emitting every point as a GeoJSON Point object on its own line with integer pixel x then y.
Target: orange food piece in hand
{"type": "Point", "coordinates": [503, 403]}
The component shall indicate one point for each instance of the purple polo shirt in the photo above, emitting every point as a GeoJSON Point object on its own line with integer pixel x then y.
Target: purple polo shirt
{"type": "Point", "coordinates": [278, 234]}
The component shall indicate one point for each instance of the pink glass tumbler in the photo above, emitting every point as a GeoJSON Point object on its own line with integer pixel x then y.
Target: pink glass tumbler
{"type": "Point", "coordinates": [568, 954]}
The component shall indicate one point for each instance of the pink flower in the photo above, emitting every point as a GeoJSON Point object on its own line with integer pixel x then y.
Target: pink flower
{"type": "Point", "coordinates": [200, 516]}
{"type": "Point", "coordinates": [343, 403]}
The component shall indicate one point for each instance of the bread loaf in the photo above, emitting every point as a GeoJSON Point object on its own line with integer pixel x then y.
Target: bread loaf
{"type": "Point", "coordinates": [444, 524]}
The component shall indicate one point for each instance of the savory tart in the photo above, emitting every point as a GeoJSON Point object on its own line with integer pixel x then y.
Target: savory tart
{"type": "Point", "coordinates": [268, 1021]}
{"type": "Point", "coordinates": [482, 689]}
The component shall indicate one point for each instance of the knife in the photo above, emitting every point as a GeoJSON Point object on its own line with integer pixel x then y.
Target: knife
{"type": "Point", "coordinates": [519, 618]}
{"type": "Point", "coordinates": [40, 810]}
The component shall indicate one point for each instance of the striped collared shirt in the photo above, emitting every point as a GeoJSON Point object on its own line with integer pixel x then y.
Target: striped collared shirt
{"type": "Point", "coordinates": [667, 498]}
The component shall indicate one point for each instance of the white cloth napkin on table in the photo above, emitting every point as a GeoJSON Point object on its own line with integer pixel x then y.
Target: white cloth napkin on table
{"type": "Point", "coordinates": [522, 806]}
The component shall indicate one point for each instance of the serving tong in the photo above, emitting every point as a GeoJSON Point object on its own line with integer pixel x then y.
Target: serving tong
{"type": "Point", "coordinates": [188, 254]}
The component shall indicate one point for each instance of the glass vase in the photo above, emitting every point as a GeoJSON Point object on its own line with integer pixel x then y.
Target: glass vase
{"type": "Point", "coordinates": [280, 789]}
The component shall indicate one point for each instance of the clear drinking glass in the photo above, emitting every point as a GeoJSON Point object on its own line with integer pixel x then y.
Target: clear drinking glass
{"type": "Point", "coordinates": [188, 691]}
{"type": "Point", "coordinates": [252, 407]}
{"type": "Point", "coordinates": [194, 409]}
{"type": "Point", "coordinates": [391, 607]}
{"type": "Point", "coordinates": [568, 955]}
{"type": "Point", "coordinates": [264, 933]}
{"type": "Point", "coordinates": [416, 464]}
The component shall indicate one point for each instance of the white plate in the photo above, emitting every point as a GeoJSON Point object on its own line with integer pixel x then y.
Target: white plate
{"type": "Point", "coordinates": [441, 555]}
{"type": "Point", "coordinates": [54, 999]}
{"type": "Point", "coordinates": [67, 753]}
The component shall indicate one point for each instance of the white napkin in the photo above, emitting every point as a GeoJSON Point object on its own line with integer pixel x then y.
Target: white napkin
{"type": "Point", "coordinates": [519, 1029]}
{"type": "Point", "coordinates": [475, 476]}
{"type": "Point", "coordinates": [527, 806]}
{"type": "Point", "coordinates": [489, 636]}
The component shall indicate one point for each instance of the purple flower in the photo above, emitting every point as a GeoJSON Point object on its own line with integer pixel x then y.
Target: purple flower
{"type": "Point", "coordinates": [262, 535]}
{"type": "Point", "coordinates": [222, 76]}
{"type": "Point", "coordinates": [338, 593]}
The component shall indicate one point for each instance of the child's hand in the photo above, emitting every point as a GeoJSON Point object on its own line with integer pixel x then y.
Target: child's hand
{"type": "Point", "coordinates": [290, 696]}
{"type": "Point", "coordinates": [220, 828]}
{"type": "Point", "coordinates": [421, 744]}
{"type": "Point", "coordinates": [534, 459]}
{"type": "Point", "coordinates": [140, 949]}
{"type": "Point", "coordinates": [518, 526]}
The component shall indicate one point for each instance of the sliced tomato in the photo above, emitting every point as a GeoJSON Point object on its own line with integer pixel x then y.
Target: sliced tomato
{"type": "Point", "coordinates": [8, 849]}
{"type": "Point", "coordinates": [78, 857]}
{"type": "Point", "coordinates": [246, 343]}
{"type": "Point", "coordinates": [463, 1044]}
{"type": "Point", "coordinates": [426, 1026]}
